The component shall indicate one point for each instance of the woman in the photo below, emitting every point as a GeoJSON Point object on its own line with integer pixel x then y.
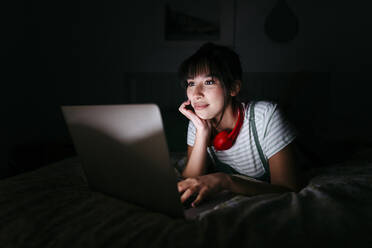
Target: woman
{"type": "Point", "coordinates": [223, 151]}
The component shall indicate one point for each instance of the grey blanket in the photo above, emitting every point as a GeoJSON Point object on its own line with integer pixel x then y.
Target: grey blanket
{"type": "Point", "coordinates": [53, 207]}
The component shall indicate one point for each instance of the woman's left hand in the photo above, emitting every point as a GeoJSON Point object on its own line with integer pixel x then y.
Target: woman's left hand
{"type": "Point", "coordinates": [203, 186]}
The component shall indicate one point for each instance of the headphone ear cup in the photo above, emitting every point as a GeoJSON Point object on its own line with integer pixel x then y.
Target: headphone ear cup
{"type": "Point", "coordinates": [225, 140]}
{"type": "Point", "coordinates": [222, 141]}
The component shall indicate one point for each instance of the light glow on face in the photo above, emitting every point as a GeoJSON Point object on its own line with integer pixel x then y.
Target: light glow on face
{"type": "Point", "coordinates": [206, 95]}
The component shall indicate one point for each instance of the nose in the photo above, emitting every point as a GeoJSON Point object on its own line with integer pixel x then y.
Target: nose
{"type": "Point", "coordinates": [197, 91]}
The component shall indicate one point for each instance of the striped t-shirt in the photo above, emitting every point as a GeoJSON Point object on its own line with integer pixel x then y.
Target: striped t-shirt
{"type": "Point", "coordinates": [274, 133]}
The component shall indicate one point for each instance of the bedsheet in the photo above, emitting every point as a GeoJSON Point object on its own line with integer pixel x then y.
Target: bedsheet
{"type": "Point", "coordinates": [54, 207]}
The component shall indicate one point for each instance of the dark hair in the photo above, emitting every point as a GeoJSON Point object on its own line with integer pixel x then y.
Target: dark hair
{"type": "Point", "coordinates": [216, 60]}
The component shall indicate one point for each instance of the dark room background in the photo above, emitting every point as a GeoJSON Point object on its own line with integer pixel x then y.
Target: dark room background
{"type": "Point", "coordinates": [115, 52]}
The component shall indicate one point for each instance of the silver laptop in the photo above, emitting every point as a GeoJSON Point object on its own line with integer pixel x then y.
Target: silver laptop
{"type": "Point", "coordinates": [124, 154]}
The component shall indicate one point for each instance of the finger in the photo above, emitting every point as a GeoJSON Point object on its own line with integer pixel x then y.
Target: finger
{"type": "Point", "coordinates": [184, 104]}
{"type": "Point", "coordinates": [188, 193]}
{"type": "Point", "coordinates": [185, 184]}
{"type": "Point", "coordinates": [202, 194]}
{"type": "Point", "coordinates": [192, 117]}
{"type": "Point", "coordinates": [182, 185]}
{"type": "Point", "coordinates": [186, 112]}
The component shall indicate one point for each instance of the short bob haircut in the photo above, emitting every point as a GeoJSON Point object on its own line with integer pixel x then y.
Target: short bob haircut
{"type": "Point", "coordinates": [218, 61]}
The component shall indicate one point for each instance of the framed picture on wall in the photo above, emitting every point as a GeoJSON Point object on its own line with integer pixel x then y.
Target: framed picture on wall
{"type": "Point", "coordinates": [197, 21]}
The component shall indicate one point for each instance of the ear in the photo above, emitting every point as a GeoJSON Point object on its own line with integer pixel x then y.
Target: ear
{"type": "Point", "coordinates": [236, 88]}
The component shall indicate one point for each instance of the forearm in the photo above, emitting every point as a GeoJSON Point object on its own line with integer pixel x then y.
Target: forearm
{"type": "Point", "coordinates": [248, 186]}
{"type": "Point", "coordinates": [197, 162]}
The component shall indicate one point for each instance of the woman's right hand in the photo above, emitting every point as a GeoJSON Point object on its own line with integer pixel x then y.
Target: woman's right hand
{"type": "Point", "coordinates": [203, 127]}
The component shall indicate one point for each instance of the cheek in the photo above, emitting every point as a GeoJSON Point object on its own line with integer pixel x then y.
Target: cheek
{"type": "Point", "coordinates": [217, 95]}
{"type": "Point", "coordinates": [188, 94]}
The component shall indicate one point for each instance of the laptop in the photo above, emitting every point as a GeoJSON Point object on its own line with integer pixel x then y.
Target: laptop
{"type": "Point", "coordinates": [124, 154]}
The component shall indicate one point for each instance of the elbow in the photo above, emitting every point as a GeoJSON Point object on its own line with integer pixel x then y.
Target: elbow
{"type": "Point", "coordinates": [295, 185]}
{"type": "Point", "coordinates": [288, 188]}
{"type": "Point", "coordinates": [299, 184]}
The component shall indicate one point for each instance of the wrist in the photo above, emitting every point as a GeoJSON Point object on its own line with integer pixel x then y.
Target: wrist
{"type": "Point", "coordinates": [202, 138]}
{"type": "Point", "coordinates": [227, 182]}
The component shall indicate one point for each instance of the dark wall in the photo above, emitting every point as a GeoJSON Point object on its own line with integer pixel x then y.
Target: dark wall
{"type": "Point", "coordinates": [43, 72]}
{"type": "Point", "coordinates": [83, 52]}
{"type": "Point", "coordinates": [60, 53]}
{"type": "Point", "coordinates": [44, 59]}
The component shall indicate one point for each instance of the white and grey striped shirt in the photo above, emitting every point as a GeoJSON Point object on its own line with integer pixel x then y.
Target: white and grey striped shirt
{"type": "Point", "coordinates": [274, 133]}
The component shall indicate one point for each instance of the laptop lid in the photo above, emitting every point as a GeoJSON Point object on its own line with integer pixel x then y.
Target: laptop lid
{"type": "Point", "coordinates": [124, 154]}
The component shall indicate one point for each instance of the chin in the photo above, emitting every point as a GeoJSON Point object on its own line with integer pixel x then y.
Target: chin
{"type": "Point", "coordinates": [204, 116]}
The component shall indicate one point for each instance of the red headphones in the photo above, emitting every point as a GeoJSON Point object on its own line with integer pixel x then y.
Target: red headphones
{"type": "Point", "coordinates": [225, 140]}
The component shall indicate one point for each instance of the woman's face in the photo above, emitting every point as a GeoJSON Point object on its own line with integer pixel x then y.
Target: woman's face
{"type": "Point", "coordinates": [206, 95]}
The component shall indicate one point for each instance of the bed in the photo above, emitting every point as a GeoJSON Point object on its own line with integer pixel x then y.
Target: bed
{"type": "Point", "coordinates": [54, 207]}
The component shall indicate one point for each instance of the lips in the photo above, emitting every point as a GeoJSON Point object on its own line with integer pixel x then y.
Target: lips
{"type": "Point", "coordinates": [200, 106]}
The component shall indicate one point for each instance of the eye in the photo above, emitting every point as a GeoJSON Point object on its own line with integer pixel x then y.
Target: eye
{"type": "Point", "coordinates": [191, 83]}
{"type": "Point", "coordinates": [210, 82]}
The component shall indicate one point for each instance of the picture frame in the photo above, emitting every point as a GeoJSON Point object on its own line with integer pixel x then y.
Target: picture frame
{"type": "Point", "coordinates": [194, 22]}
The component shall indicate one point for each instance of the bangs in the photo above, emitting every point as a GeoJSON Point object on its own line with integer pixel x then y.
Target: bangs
{"type": "Point", "coordinates": [214, 60]}
{"type": "Point", "coordinates": [193, 67]}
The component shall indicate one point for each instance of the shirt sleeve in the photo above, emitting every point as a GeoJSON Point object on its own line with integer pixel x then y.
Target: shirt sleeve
{"type": "Point", "coordinates": [191, 131]}
{"type": "Point", "coordinates": [278, 131]}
